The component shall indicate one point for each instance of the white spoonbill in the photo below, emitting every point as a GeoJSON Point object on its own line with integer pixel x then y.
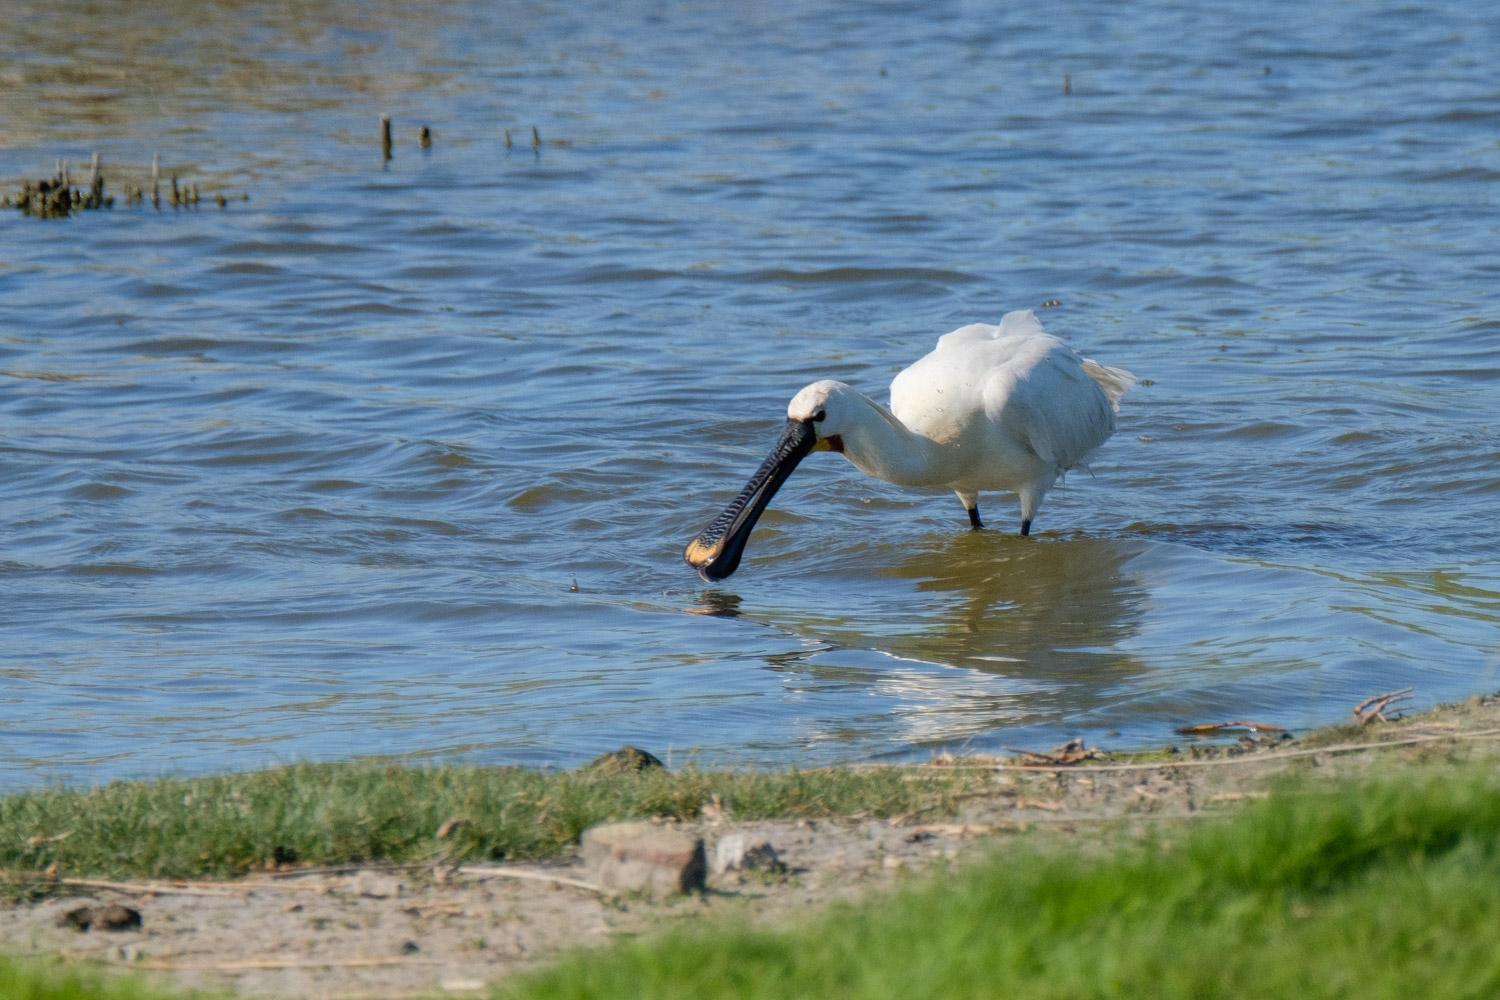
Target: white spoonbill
{"type": "Point", "coordinates": [1006, 407]}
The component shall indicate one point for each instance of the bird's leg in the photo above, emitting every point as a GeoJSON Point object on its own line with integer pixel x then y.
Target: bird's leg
{"type": "Point", "coordinates": [1030, 496]}
{"type": "Point", "coordinates": [970, 500]}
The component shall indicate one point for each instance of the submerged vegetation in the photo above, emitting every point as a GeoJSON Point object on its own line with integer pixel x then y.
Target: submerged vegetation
{"type": "Point", "coordinates": [56, 197]}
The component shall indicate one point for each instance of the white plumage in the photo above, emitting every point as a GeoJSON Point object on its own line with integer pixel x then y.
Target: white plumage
{"type": "Point", "coordinates": [1007, 407]}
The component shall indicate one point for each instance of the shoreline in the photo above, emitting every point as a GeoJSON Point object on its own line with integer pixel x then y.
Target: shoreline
{"type": "Point", "coordinates": [461, 921]}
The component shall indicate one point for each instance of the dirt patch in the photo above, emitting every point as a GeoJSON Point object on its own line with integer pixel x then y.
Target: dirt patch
{"type": "Point", "coordinates": [458, 931]}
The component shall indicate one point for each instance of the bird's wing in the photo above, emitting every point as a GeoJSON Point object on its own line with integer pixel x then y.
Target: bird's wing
{"type": "Point", "coordinates": [1021, 323]}
{"type": "Point", "coordinates": [944, 394]}
{"type": "Point", "coordinates": [1014, 385]}
{"type": "Point", "coordinates": [1054, 404]}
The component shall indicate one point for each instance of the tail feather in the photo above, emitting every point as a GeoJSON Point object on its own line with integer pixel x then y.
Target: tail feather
{"type": "Point", "coordinates": [1114, 381]}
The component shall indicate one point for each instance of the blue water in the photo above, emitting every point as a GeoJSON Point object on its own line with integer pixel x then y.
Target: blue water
{"type": "Point", "coordinates": [399, 458]}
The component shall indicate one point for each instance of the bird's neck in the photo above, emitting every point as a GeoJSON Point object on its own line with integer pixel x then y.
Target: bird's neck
{"type": "Point", "coordinates": [880, 445]}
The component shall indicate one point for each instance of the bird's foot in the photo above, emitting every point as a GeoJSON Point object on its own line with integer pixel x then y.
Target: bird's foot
{"type": "Point", "coordinates": [974, 521]}
{"type": "Point", "coordinates": [1026, 526]}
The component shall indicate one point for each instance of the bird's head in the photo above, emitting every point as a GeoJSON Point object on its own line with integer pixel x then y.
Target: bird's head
{"type": "Point", "coordinates": [816, 417]}
{"type": "Point", "coordinates": [828, 406]}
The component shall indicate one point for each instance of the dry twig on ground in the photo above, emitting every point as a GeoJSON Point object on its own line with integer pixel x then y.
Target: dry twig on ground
{"type": "Point", "coordinates": [1068, 754]}
{"type": "Point", "coordinates": [1211, 727]}
{"type": "Point", "coordinates": [1374, 707]}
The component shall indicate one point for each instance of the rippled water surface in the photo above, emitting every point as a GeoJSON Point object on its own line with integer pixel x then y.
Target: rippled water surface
{"type": "Point", "coordinates": [399, 458]}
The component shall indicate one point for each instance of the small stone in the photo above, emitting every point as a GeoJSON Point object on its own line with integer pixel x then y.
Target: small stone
{"type": "Point", "coordinates": [113, 917]}
{"type": "Point", "coordinates": [109, 918]}
{"type": "Point", "coordinates": [734, 853]}
{"type": "Point", "coordinates": [375, 885]}
{"type": "Point", "coordinates": [410, 947]}
{"type": "Point", "coordinates": [728, 853]}
{"type": "Point", "coordinates": [626, 760]}
{"type": "Point", "coordinates": [643, 857]}
{"type": "Point", "coordinates": [762, 857]}
{"type": "Point", "coordinates": [80, 918]}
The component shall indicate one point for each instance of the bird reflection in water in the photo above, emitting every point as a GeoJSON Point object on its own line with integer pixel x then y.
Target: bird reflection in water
{"type": "Point", "coordinates": [717, 604]}
{"type": "Point", "coordinates": [1046, 609]}
{"type": "Point", "coordinates": [1019, 618]}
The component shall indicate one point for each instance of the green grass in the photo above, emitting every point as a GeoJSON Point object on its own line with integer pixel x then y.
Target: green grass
{"type": "Point", "coordinates": [324, 814]}
{"type": "Point", "coordinates": [46, 981]}
{"type": "Point", "coordinates": [1382, 890]}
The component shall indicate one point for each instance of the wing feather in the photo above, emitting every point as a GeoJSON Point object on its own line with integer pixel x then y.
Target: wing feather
{"type": "Point", "coordinates": [1015, 387]}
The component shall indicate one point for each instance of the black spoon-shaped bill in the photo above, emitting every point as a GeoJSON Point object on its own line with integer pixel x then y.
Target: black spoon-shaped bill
{"type": "Point", "coordinates": [716, 552]}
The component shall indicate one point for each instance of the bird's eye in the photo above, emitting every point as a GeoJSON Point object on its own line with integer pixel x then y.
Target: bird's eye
{"type": "Point", "coordinates": [820, 416]}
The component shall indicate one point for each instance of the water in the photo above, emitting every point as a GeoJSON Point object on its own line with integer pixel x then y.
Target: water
{"type": "Point", "coordinates": [399, 459]}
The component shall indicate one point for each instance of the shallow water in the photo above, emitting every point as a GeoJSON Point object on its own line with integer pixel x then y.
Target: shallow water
{"type": "Point", "coordinates": [399, 458]}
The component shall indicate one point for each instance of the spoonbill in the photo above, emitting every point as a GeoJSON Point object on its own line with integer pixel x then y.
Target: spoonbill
{"type": "Point", "coordinates": [1006, 407]}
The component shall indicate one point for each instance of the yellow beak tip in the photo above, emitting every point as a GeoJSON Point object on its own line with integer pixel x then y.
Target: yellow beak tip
{"type": "Point", "coordinates": [697, 554]}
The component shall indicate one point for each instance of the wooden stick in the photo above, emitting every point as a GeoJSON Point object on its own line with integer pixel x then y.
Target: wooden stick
{"type": "Point", "coordinates": [1209, 727]}
{"type": "Point", "coordinates": [294, 886]}
{"type": "Point", "coordinates": [180, 888]}
{"type": "Point", "coordinates": [350, 869]}
{"type": "Point", "coordinates": [1377, 703]}
{"type": "Point", "coordinates": [155, 888]}
{"type": "Point", "coordinates": [535, 876]}
{"type": "Point", "coordinates": [284, 963]}
{"type": "Point", "coordinates": [1377, 697]}
{"type": "Point", "coordinates": [385, 135]}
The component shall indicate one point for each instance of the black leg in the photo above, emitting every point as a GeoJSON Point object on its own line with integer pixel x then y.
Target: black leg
{"type": "Point", "coordinates": [974, 517]}
{"type": "Point", "coordinates": [1026, 527]}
